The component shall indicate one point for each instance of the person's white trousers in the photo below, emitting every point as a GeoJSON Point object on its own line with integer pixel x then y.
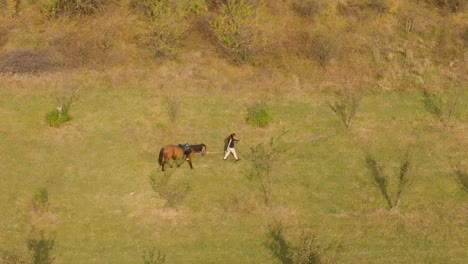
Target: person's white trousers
{"type": "Point", "coordinates": [229, 151]}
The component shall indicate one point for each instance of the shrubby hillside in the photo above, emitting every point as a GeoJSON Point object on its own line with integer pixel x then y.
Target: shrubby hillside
{"type": "Point", "coordinates": [344, 44]}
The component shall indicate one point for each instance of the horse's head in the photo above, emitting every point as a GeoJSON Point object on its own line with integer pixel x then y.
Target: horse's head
{"type": "Point", "coordinates": [203, 150]}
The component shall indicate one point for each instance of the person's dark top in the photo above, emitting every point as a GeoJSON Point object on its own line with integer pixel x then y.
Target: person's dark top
{"type": "Point", "coordinates": [232, 140]}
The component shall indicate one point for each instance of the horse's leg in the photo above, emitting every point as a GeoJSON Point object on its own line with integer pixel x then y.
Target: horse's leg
{"type": "Point", "coordinates": [189, 160]}
{"type": "Point", "coordinates": [163, 163]}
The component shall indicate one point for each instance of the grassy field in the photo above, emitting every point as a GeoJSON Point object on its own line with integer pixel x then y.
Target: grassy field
{"type": "Point", "coordinates": [144, 74]}
{"type": "Point", "coordinates": [102, 209]}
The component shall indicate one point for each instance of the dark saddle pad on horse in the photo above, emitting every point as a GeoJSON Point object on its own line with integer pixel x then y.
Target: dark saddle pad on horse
{"type": "Point", "coordinates": [186, 148]}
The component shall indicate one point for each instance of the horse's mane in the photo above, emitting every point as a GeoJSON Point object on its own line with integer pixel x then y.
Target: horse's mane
{"type": "Point", "coordinates": [198, 147]}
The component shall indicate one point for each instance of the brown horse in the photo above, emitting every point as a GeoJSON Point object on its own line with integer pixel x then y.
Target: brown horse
{"type": "Point", "coordinates": [177, 152]}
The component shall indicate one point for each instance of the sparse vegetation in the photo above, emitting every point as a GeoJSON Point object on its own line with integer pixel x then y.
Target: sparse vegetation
{"type": "Point", "coordinates": [41, 199]}
{"type": "Point", "coordinates": [345, 106]}
{"type": "Point", "coordinates": [167, 27]}
{"type": "Point", "coordinates": [61, 114]}
{"type": "Point", "coordinates": [55, 8]}
{"type": "Point", "coordinates": [41, 247]}
{"type": "Point", "coordinates": [237, 31]}
{"type": "Point", "coordinates": [439, 106]}
{"type": "Point", "coordinates": [104, 205]}
{"type": "Point", "coordinates": [461, 176]}
{"type": "Point", "coordinates": [149, 257]}
{"type": "Point", "coordinates": [173, 108]}
{"type": "Point", "coordinates": [306, 250]}
{"type": "Point", "coordinates": [308, 8]}
{"type": "Point", "coordinates": [263, 158]}
{"type": "Point", "coordinates": [322, 47]}
{"type": "Point", "coordinates": [172, 193]}
{"type": "Point", "coordinates": [381, 180]}
{"type": "Point", "coordinates": [258, 115]}
{"type": "Point", "coordinates": [25, 61]}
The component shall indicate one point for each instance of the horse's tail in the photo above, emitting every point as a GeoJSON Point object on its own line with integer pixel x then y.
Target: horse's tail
{"type": "Point", "coordinates": [161, 156]}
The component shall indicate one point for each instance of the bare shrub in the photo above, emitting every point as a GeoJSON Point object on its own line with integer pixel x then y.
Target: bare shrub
{"type": "Point", "coordinates": [40, 200]}
{"type": "Point", "coordinates": [149, 257]}
{"type": "Point", "coordinates": [24, 61]}
{"type": "Point", "coordinates": [173, 108]}
{"type": "Point", "coordinates": [345, 106]}
{"type": "Point", "coordinates": [305, 251]}
{"type": "Point", "coordinates": [381, 180]}
{"type": "Point", "coordinates": [277, 243]}
{"type": "Point", "coordinates": [308, 251]}
{"type": "Point", "coordinates": [215, 5]}
{"type": "Point", "coordinates": [461, 176]}
{"type": "Point", "coordinates": [440, 106]}
{"type": "Point", "coordinates": [41, 248]}
{"type": "Point", "coordinates": [86, 44]}
{"type": "Point", "coordinates": [263, 157]}
{"type": "Point", "coordinates": [55, 8]}
{"type": "Point", "coordinates": [307, 8]}
{"type": "Point", "coordinates": [167, 29]}
{"type": "Point", "coordinates": [172, 193]}
{"type": "Point", "coordinates": [450, 44]}
{"type": "Point", "coordinates": [237, 31]}
{"type": "Point", "coordinates": [452, 6]}
{"type": "Point", "coordinates": [18, 257]}
{"type": "Point", "coordinates": [321, 47]}
{"type": "Point", "coordinates": [381, 6]}
{"type": "Point", "coordinates": [403, 177]}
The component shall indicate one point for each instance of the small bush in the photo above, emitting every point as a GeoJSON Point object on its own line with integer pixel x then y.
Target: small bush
{"type": "Point", "coordinates": [151, 258]}
{"type": "Point", "coordinates": [60, 115]}
{"type": "Point", "coordinates": [442, 107]}
{"type": "Point", "coordinates": [168, 26]}
{"type": "Point", "coordinates": [461, 176]}
{"type": "Point", "coordinates": [55, 118]}
{"type": "Point", "coordinates": [91, 42]}
{"type": "Point", "coordinates": [263, 158]}
{"type": "Point", "coordinates": [452, 6]}
{"type": "Point", "coordinates": [173, 194]}
{"type": "Point", "coordinates": [41, 248]}
{"type": "Point", "coordinates": [321, 47]}
{"type": "Point", "coordinates": [25, 61]}
{"type": "Point", "coordinates": [278, 244]}
{"type": "Point", "coordinates": [305, 250]}
{"type": "Point", "coordinates": [307, 8]}
{"type": "Point", "coordinates": [173, 108]}
{"type": "Point", "coordinates": [41, 199]}
{"type": "Point", "coordinates": [237, 31]}
{"type": "Point", "coordinates": [382, 6]}
{"type": "Point", "coordinates": [382, 181]}
{"type": "Point", "coordinates": [345, 106]}
{"type": "Point", "coordinates": [258, 115]}
{"type": "Point", "coordinates": [450, 45]}
{"type": "Point", "coordinates": [55, 8]}
{"type": "Point", "coordinates": [19, 257]}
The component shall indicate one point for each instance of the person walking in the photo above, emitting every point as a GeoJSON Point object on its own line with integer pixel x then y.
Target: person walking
{"type": "Point", "coordinates": [229, 146]}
